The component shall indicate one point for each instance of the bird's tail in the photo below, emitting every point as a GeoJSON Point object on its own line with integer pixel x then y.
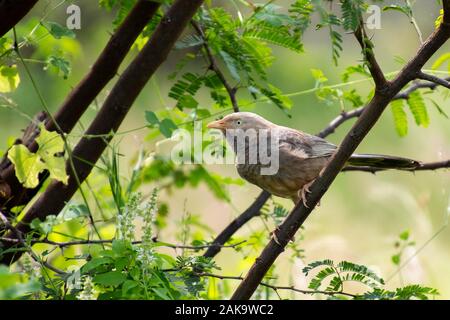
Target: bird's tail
{"type": "Point", "coordinates": [381, 162]}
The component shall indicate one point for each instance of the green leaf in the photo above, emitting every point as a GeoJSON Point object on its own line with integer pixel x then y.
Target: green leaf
{"type": "Point", "coordinates": [439, 109]}
{"type": "Point", "coordinates": [319, 76]}
{"type": "Point", "coordinates": [29, 165]}
{"type": "Point", "coordinates": [96, 262]}
{"type": "Point", "coordinates": [418, 109]}
{"type": "Point", "coordinates": [151, 118]}
{"type": "Point", "coordinates": [9, 78]}
{"type": "Point", "coordinates": [167, 127]}
{"type": "Point", "coordinates": [44, 227]}
{"type": "Point", "coordinates": [128, 285]}
{"type": "Point", "coordinates": [396, 259]}
{"type": "Point", "coordinates": [414, 291]}
{"type": "Point", "coordinates": [400, 118]}
{"type": "Point", "coordinates": [277, 97]}
{"type": "Point", "coordinates": [57, 31]}
{"type": "Point", "coordinates": [184, 90]}
{"type": "Point", "coordinates": [50, 146]}
{"type": "Point", "coordinates": [275, 35]}
{"type": "Point", "coordinates": [404, 235]}
{"type": "Point", "coordinates": [441, 60]}
{"type": "Point", "coordinates": [439, 19]}
{"type": "Point", "coordinates": [403, 9]}
{"type": "Point", "coordinates": [61, 64]}
{"type": "Point", "coordinates": [351, 14]}
{"type": "Point", "coordinates": [112, 278]}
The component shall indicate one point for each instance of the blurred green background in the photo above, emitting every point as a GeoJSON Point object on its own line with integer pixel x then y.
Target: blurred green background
{"type": "Point", "coordinates": [361, 215]}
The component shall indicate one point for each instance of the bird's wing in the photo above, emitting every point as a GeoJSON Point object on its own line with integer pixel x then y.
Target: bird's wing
{"type": "Point", "coordinates": [304, 145]}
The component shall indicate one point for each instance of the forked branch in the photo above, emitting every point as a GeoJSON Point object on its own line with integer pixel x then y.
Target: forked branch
{"type": "Point", "coordinates": [365, 122]}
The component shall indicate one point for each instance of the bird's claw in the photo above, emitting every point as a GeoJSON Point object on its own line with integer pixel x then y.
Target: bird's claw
{"type": "Point", "coordinates": [304, 191]}
{"type": "Point", "coordinates": [273, 235]}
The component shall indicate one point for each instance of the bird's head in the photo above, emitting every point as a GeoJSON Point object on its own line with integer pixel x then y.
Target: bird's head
{"type": "Point", "coordinates": [241, 120]}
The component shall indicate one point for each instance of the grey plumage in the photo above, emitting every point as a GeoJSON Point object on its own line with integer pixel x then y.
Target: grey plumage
{"type": "Point", "coordinates": [301, 156]}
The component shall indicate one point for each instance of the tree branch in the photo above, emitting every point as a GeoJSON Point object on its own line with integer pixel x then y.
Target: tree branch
{"type": "Point", "coordinates": [366, 121]}
{"type": "Point", "coordinates": [19, 239]}
{"type": "Point", "coordinates": [215, 67]}
{"type": "Point", "coordinates": [106, 241]}
{"type": "Point", "coordinates": [339, 120]}
{"type": "Point", "coordinates": [434, 79]}
{"type": "Point", "coordinates": [12, 11]}
{"type": "Point", "coordinates": [254, 208]}
{"type": "Point", "coordinates": [355, 113]}
{"type": "Point", "coordinates": [372, 63]}
{"type": "Point", "coordinates": [112, 113]}
{"type": "Point", "coordinates": [253, 211]}
{"type": "Point", "coordinates": [77, 102]}
{"type": "Point", "coordinates": [446, 7]}
{"type": "Point", "coordinates": [276, 288]}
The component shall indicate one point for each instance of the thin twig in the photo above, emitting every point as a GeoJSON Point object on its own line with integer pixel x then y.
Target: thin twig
{"type": "Point", "coordinates": [355, 113]}
{"type": "Point", "coordinates": [253, 211]}
{"type": "Point", "coordinates": [372, 63]}
{"type": "Point", "coordinates": [215, 67]}
{"type": "Point", "coordinates": [434, 79]}
{"type": "Point", "coordinates": [107, 241]}
{"type": "Point", "coordinates": [19, 238]}
{"type": "Point", "coordinates": [276, 288]}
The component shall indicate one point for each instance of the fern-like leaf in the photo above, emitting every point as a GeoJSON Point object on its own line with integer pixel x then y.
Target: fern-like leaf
{"type": "Point", "coordinates": [183, 90]}
{"type": "Point", "coordinates": [418, 108]}
{"type": "Point", "coordinates": [275, 35]}
{"type": "Point", "coordinates": [351, 14]}
{"type": "Point", "coordinates": [400, 118]}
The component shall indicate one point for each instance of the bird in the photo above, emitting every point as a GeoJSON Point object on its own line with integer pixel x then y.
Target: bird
{"type": "Point", "coordinates": [301, 156]}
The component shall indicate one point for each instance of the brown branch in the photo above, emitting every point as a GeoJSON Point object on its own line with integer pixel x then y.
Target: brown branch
{"type": "Point", "coordinates": [77, 102]}
{"type": "Point", "coordinates": [254, 208]}
{"type": "Point", "coordinates": [339, 120]}
{"type": "Point", "coordinates": [446, 7]}
{"type": "Point", "coordinates": [253, 211]}
{"type": "Point", "coordinates": [286, 231]}
{"type": "Point", "coordinates": [434, 79]}
{"type": "Point", "coordinates": [107, 241]}
{"type": "Point", "coordinates": [355, 113]}
{"type": "Point", "coordinates": [372, 63]}
{"type": "Point", "coordinates": [12, 11]}
{"type": "Point", "coordinates": [215, 67]}
{"type": "Point", "coordinates": [112, 113]}
{"type": "Point", "coordinates": [276, 288]}
{"type": "Point", "coordinates": [19, 238]}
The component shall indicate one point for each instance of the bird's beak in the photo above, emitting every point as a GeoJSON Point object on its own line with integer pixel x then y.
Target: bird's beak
{"type": "Point", "coordinates": [219, 124]}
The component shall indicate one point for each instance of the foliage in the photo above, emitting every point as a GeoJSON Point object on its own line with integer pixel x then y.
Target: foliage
{"type": "Point", "coordinates": [332, 278]}
{"type": "Point", "coordinates": [114, 218]}
{"type": "Point", "coordinates": [30, 165]}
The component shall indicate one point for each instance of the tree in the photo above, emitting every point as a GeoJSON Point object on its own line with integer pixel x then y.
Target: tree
{"type": "Point", "coordinates": [237, 55]}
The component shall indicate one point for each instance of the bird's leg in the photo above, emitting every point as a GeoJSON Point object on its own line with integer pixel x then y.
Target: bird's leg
{"type": "Point", "coordinates": [304, 191]}
{"type": "Point", "coordinates": [273, 235]}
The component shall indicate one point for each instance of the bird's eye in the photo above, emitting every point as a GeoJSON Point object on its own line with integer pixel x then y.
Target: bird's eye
{"type": "Point", "coordinates": [239, 122]}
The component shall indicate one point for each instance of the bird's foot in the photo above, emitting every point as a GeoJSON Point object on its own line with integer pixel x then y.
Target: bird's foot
{"type": "Point", "coordinates": [273, 235]}
{"type": "Point", "coordinates": [304, 191]}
